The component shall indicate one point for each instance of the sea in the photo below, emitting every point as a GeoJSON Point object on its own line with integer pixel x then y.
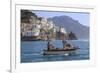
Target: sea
{"type": "Point", "coordinates": [32, 51]}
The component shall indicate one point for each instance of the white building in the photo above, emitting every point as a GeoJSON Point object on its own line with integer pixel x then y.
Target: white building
{"type": "Point", "coordinates": [51, 25]}
{"type": "Point", "coordinates": [62, 30]}
{"type": "Point", "coordinates": [34, 32]}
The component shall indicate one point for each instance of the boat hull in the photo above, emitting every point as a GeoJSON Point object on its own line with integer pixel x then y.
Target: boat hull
{"type": "Point", "coordinates": [58, 52]}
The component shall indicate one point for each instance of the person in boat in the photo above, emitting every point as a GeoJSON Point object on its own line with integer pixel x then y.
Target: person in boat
{"type": "Point", "coordinates": [50, 46]}
{"type": "Point", "coordinates": [64, 42]}
{"type": "Point", "coordinates": [68, 46]}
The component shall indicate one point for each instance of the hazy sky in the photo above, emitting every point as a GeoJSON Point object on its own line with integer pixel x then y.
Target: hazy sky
{"type": "Point", "coordinates": [83, 18]}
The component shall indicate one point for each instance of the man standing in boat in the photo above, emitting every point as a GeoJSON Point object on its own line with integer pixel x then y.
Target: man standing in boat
{"type": "Point", "coordinates": [50, 46]}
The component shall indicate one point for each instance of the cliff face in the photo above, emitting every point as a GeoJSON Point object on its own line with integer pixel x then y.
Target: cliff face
{"type": "Point", "coordinates": [71, 25]}
{"type": "Point", "coordinates": [35, 27]}
{"type": "Point", "coordinates": [26, 16]}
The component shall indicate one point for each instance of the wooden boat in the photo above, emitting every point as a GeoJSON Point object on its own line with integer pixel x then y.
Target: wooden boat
{"type": "Point", "coordinates": [61, 51]}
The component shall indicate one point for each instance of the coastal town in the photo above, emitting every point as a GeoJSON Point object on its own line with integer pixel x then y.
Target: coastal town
{"type": "Point", "coordinates": [34, 27]}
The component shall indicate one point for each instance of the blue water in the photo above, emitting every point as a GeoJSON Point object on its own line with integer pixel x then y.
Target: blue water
{"type": "Point", "coordinates": [32, 51]}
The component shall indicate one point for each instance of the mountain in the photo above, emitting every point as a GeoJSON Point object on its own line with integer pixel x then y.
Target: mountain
{"type": "Point", "coordinates": [71, 25]}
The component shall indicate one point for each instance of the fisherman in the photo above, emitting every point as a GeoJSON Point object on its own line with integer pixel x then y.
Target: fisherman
{"type": "Point", "coordinates": [66, 45]}
{"type": "Point", "coordinates": [50, 46]}
{"type": "Point", "coordinates": [64, 42]}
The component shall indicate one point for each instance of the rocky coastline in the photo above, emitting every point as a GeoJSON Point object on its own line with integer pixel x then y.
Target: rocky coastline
{"type": "Point", "coordinates": [38, 28]}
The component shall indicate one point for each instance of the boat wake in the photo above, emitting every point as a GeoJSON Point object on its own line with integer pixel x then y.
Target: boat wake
{"type": "Point", "coordinates": [36, 54]}
{"type": "Point", "coordinates": [66, 54]}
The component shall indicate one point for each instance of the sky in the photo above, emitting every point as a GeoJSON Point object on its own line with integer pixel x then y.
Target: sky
{"type": "Point", "coordinates": [83, 18]}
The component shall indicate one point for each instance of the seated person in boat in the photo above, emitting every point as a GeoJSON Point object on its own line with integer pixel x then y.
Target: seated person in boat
{"type": "Point", "coordinates": [50, 46]}
{"type": "Point", "coordinates": [67, 46]}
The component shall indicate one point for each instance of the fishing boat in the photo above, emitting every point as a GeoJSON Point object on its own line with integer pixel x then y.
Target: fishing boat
{"type": "Point", "coordinates": [61, 51]}
{"type": "Point", "coordinates": [67, 49]}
